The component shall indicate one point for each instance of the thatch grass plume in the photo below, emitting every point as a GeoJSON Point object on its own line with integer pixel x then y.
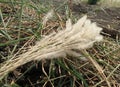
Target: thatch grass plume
{"type": "Point", "coordinates": [79, 36]}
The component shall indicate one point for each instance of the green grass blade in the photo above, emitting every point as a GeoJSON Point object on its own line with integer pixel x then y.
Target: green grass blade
{"type": "Point", "coordinates": [73, 71]}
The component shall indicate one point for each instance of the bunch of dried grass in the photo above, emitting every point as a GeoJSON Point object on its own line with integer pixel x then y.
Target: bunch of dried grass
{"type": "Point", "coordinates": [79, 36]}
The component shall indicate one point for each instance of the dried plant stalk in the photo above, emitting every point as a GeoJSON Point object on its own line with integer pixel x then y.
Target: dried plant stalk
{"type": "Point", "coordinates": [79, 36]}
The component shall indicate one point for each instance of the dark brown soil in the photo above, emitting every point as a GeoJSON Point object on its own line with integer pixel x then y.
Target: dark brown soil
{"type": "Point", "coordinates": [107, 18]}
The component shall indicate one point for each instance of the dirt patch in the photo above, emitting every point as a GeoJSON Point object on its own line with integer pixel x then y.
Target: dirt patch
{"type": "Point", "coordinates": [107, 18]}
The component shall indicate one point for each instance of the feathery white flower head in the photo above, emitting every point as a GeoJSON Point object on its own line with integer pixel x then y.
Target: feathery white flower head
{"type": "Point", "coordinates": [48, 16]}
{"type": "Point", "coordinates": [80, 35]}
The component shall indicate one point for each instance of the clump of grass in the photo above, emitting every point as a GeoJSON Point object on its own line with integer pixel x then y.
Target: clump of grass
{"type": "Point", "coordinates": [74, 37]}
{"type": "Point", "coordinates": [92, 2]}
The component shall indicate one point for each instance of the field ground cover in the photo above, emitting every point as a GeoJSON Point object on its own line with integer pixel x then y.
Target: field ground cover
{"type": "Point", "coordinates": [21, 26]}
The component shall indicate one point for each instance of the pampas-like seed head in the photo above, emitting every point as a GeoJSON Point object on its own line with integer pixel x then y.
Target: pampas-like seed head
{"type": "Point", "coordinates": [78, 36]}
{"type": "Point", "coordinates": [48, 16]}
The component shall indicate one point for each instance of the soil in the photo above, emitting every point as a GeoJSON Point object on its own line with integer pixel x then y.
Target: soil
{"type": "Point", "coordinates": [107, 18]}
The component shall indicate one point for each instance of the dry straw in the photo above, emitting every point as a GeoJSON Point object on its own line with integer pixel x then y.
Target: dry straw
{"type": "Point", "coordinates": [79, 36]}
